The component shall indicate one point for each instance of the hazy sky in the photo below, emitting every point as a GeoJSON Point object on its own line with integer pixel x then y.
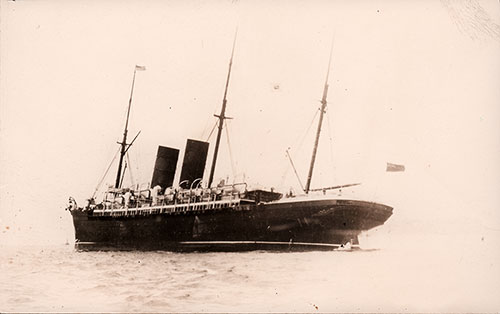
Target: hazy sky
{"type": "Point", "coordinates": [411, 82]}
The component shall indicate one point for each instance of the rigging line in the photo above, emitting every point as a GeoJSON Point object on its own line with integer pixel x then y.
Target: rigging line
{"type": "Point", "coordinates": [233, 167]}
{"type": "Point", "coordinates": [295, 170]}
{"type": "Point", "coordinates": [130, 169]}
{"type": "Point", "coordinates": [331, 143]}
{"type": "Point", "coordinates": [308, 128]}
{"type": "Point", "coordinates": [205, 128]}
{"type": "Point", "coordinates": [105, 173]}
{"type": "Point", "coordinates": [213, 129]}
{"type": "Point", "coordinates": [298, 139]}
{"type": "Point", "coordinates": [123, 175]}
{"type": "Point", "coordinates": [284, 176]}
{"type": "Point", "coordinates": [137, 158]}
{"type": "Point", "coordinates": [300, 144]}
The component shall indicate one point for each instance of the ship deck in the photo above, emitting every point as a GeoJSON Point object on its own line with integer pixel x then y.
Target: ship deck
{"type": "Point", "coordinates": [237, 204]}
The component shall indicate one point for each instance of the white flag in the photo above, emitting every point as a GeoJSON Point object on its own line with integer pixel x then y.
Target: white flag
{"type": "Point", "coordinates": [140, 68]}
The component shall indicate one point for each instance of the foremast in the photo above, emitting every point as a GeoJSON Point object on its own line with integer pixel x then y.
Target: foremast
{"type": "Point", "coordinates": [221, 117]}
{"type": "Point", "coordinates": [124, 146]}
{"type": "Point", "coordinates": [320, 123]}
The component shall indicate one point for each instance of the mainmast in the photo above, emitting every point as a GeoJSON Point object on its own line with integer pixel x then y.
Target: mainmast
{"type": "Point", "coordinates": [222, 117]}
{"type": "Point", "coordinates": [123, 143]}
{"type": "Point", "coordinates": [318, 132]}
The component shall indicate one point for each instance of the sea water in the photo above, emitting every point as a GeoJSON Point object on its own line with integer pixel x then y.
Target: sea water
{"type": "Point", "coordinates": [433, 277]}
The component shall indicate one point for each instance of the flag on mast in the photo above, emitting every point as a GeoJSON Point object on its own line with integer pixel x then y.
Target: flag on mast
{"type": "Point", "coordinates": [394, 167]}
{"type": "Point", "coordinates": [140, 67]}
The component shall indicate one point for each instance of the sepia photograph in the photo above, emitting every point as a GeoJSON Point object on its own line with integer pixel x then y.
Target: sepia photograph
{"type": "Point", "coordinates": [243, 156]}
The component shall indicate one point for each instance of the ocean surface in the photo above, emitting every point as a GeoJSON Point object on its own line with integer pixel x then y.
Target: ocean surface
{"type": "Point", "coordinates": [433, 277]}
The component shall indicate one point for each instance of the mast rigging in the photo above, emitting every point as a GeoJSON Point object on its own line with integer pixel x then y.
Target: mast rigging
{"type": "Point", "coordinates": [295, 170]}
{"type": "Point", "coordinates": [221, 116]}
{"type": "Point", "coordinates": [124, 146]}
{"type": "Point", "coordinates": [318, 132]}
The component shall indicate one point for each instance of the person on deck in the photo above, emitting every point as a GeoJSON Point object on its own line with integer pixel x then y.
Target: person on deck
{"type": "Point", "coordinates": [89, 204]}
{"type": "Point", "coordinates": [154, 194]}
{"type": "Point", "coordinates": [127, 197]}
{"type": "Point", "coordinates": [72, 204]}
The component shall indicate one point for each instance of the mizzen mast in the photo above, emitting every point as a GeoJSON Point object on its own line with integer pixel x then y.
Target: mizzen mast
{"type": "Point", "coordinates": [222, 117]}
{"type": "Point", "coordinates": [123, 143]}
{"type": "Point", "coordinates": [318, 132]}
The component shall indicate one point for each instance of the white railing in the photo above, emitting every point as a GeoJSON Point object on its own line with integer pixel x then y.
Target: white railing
{"type": "Point", "coordinates": [168, 209]}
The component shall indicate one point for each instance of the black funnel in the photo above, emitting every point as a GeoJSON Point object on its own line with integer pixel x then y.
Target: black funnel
{"type": "Point", "coordinates": [166, 162]}
{"type": "Point", "coordinates": [195, 158]}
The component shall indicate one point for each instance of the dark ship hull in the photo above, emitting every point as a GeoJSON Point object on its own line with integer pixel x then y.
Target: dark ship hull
{"type": "Point", "coordinates": [233, 225]}
{"type": "Point", "coordinates": [194, 215]}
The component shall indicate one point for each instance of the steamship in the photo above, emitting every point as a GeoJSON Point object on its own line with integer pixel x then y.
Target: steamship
{"type": "Point", "coordinates": [195, 215]}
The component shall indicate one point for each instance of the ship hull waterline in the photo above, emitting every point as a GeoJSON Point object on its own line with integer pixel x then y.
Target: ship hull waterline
{"type": "Point", "coordinates": [277, 226]}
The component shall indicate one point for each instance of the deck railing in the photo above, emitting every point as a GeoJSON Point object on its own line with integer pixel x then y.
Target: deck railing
{"type": "Point", "coordinates": [170, 209]}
